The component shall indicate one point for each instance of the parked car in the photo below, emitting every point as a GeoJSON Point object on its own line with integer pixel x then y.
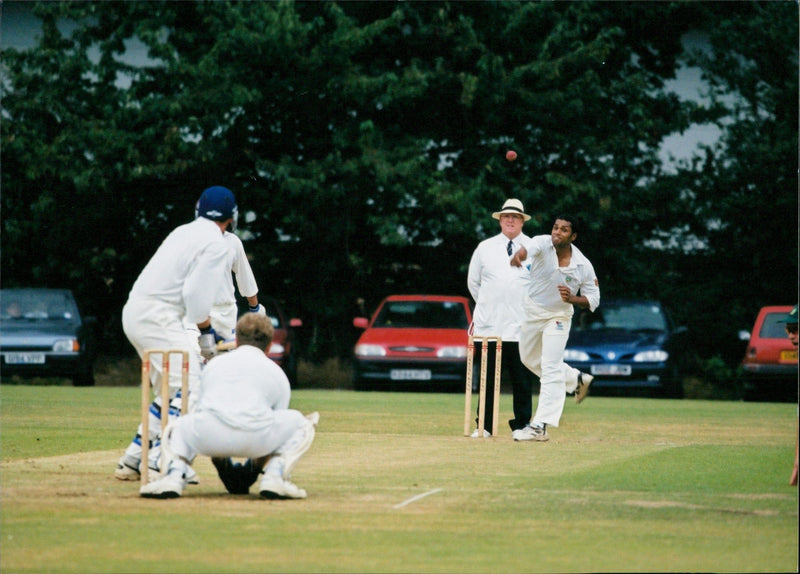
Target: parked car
{"type": "Point", "coordinates": [629, 343]}
{"type": "Point", "coordinates": [42, 334]}
{"type": "Point", "coordinates": [770, 360]}
{"type": "Point", "coordinates": [413, 340]}
{"type": "Point", "coordinates": [284, 349]}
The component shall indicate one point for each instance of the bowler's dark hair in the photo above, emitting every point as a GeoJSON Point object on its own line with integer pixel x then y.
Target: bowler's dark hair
{"type": "Point", "coordinates": [255, 330]}
{"type": "Point", "coordinates": [574, 223]}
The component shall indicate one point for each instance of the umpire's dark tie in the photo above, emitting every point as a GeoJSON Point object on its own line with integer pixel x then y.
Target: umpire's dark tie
{"type": "Point", "coordinates": [509, 247]}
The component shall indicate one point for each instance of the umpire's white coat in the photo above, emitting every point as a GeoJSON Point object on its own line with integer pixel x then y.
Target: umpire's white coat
{"type": "Point", "coordinates": [497, 287]}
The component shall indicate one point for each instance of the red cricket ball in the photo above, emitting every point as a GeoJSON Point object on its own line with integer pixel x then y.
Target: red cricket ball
{"type": "Point", "coordinates": [511, 155]}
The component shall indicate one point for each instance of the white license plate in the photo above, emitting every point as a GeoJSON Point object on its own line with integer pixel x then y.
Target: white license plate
{"type": "Point", "coordinates": [612, 370]}
{"type": "Point", "coordinates": [24, 358]}
{"type": "Point", "coordinates": [410, 375]}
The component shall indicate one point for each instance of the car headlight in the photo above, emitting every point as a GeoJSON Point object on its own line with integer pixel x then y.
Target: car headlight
{"type": "Point", "coordinates": [66, 346]}
{"type": "Point", "coordinates": [651, 356]}
{"type": "Point", "coordinates": [575, 355]}
{"type": "Point", "coordinates": [276, 349]}
{"type": "Point", "coordinates": [370, 351]}
{"type": "Point", "coordinates": [452, 352]}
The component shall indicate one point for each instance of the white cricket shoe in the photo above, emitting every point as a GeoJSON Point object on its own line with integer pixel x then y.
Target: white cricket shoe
{"type": "Point", "coordinates": [191, 476]}
{"type": "Point", "coordinates": [127, 469]}
{"type": "Point", "coordinates": [486, 434]}
{"type": "Point", "coordinates": [168, 455]}
{"type": "Point", "coordinates": [170, 486]}
{"type": "Point", "coordinates": [531, 433]}
{"type": "Point", "coordinates": [314, 418]}
{"type": "Point", "coordinates": [584, 381]}
{"type": "Point", "coordinates": [522, 434]}
{"type": "Point", "coordinates": [275, 487]}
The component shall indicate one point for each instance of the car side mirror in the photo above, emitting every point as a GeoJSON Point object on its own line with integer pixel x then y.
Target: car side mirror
{"type": "Point", "coordinates": [361, 322]}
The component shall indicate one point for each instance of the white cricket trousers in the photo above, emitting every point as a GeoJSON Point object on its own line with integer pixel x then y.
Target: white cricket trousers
{"type": "Point", "coordinates": [543, 338]}
{"type": "Point", "coordinates": [154, 324]}
{"type": "Point", "coordinates": [203, 433]}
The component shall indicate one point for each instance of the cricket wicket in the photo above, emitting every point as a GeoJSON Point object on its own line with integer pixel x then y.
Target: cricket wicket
{"type": "Point", "coordinates": [165, 399]}
{"type": "Point", "coordinates": [482, 396]}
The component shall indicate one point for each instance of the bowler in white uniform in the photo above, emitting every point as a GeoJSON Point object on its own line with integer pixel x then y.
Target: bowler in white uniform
{"type": "Point", "coordinates": [561, 276]}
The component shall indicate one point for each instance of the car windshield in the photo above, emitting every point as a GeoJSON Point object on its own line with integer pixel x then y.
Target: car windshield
{"type": "Point", "coordinates": [628, 317]}
{"type": "Point", "coordinates": [422, 315]}
{"type": "Point", "coordinates": [771, 328]}
{"type": "Point", "coordinates": [36, 306]}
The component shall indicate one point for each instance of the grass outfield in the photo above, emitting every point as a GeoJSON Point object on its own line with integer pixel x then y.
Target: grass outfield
{"type": "Point", "coordinates": [624, 485]}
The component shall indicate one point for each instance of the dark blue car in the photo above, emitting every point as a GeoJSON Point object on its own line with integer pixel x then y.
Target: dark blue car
{"type": "Point", "coordinates": [42, 334]}
{"type": "Point", "coordinates": [629, 343]}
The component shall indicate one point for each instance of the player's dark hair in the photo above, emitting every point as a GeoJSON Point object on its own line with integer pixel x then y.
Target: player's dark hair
{"type": "Point", "coordinates": [255, 330]}
{"type": "Point", "coordinates": [574, 223]}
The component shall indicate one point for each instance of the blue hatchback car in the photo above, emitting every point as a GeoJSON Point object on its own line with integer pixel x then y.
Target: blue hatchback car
{"type": "Point", "coordinates": [629, 343]}
{"type": "Point", "coordinates": [42, 334]}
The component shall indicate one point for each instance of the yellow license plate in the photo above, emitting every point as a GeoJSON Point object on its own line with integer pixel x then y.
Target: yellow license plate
{"type": "Point", "coordinates": [789, 356]}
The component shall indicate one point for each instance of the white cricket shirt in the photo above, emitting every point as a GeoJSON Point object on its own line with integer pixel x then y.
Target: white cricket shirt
{"type": "Point", "coordinates": [546, 276]}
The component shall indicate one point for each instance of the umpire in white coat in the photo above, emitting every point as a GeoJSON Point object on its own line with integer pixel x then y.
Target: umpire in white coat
{"type": "Point", "coordinates": [499, 290]}
{"type": "Point", "coordinates": [181, 281]}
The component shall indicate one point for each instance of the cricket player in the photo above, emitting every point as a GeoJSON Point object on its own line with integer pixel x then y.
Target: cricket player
{"type": "Point", "coordinates": [225, 312]}
{"type": "Point", "coordinates": [242, 410]}
{"type": "Point", "coordinates": [181, 281]}
{"type": "Point", "coordinates": [561, 276]}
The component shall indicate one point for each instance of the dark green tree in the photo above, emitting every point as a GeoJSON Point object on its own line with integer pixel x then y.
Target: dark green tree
{"type": "Point", "coordinates": [740, 234]}
{"type": "Point", "coordinates": [364, 141]}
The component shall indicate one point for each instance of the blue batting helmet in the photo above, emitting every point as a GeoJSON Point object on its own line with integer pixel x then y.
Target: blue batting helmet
{"type": "Point", "coordinates": [217, 203]}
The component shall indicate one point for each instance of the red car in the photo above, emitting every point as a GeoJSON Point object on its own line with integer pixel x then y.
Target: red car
{"type": "Point", "coordinates": [770, 361]}
{"type": "Point", "coordinates": [413, 341]}
{"type": "Point", "coordinates": [283, 350]}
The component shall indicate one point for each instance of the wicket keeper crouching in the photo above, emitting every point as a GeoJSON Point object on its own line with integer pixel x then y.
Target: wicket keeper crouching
{"type": "Point", "coordinates": [241, 410]}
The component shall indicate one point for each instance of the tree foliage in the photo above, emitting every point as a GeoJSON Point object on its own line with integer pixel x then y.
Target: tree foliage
{"type": "Point", "coordinates": [365, 143]}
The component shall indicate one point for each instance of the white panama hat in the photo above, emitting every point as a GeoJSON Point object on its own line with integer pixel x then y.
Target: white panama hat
{"type": "Point", "coordinates": [512, 206]}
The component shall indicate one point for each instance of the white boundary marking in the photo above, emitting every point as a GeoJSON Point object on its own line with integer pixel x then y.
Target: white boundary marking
{"type": "Point", "coordinates": [417, 497]}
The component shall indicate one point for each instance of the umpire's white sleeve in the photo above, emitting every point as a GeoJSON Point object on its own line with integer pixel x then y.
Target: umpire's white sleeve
{"type": "Point", "coordinates": [474, 274]}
